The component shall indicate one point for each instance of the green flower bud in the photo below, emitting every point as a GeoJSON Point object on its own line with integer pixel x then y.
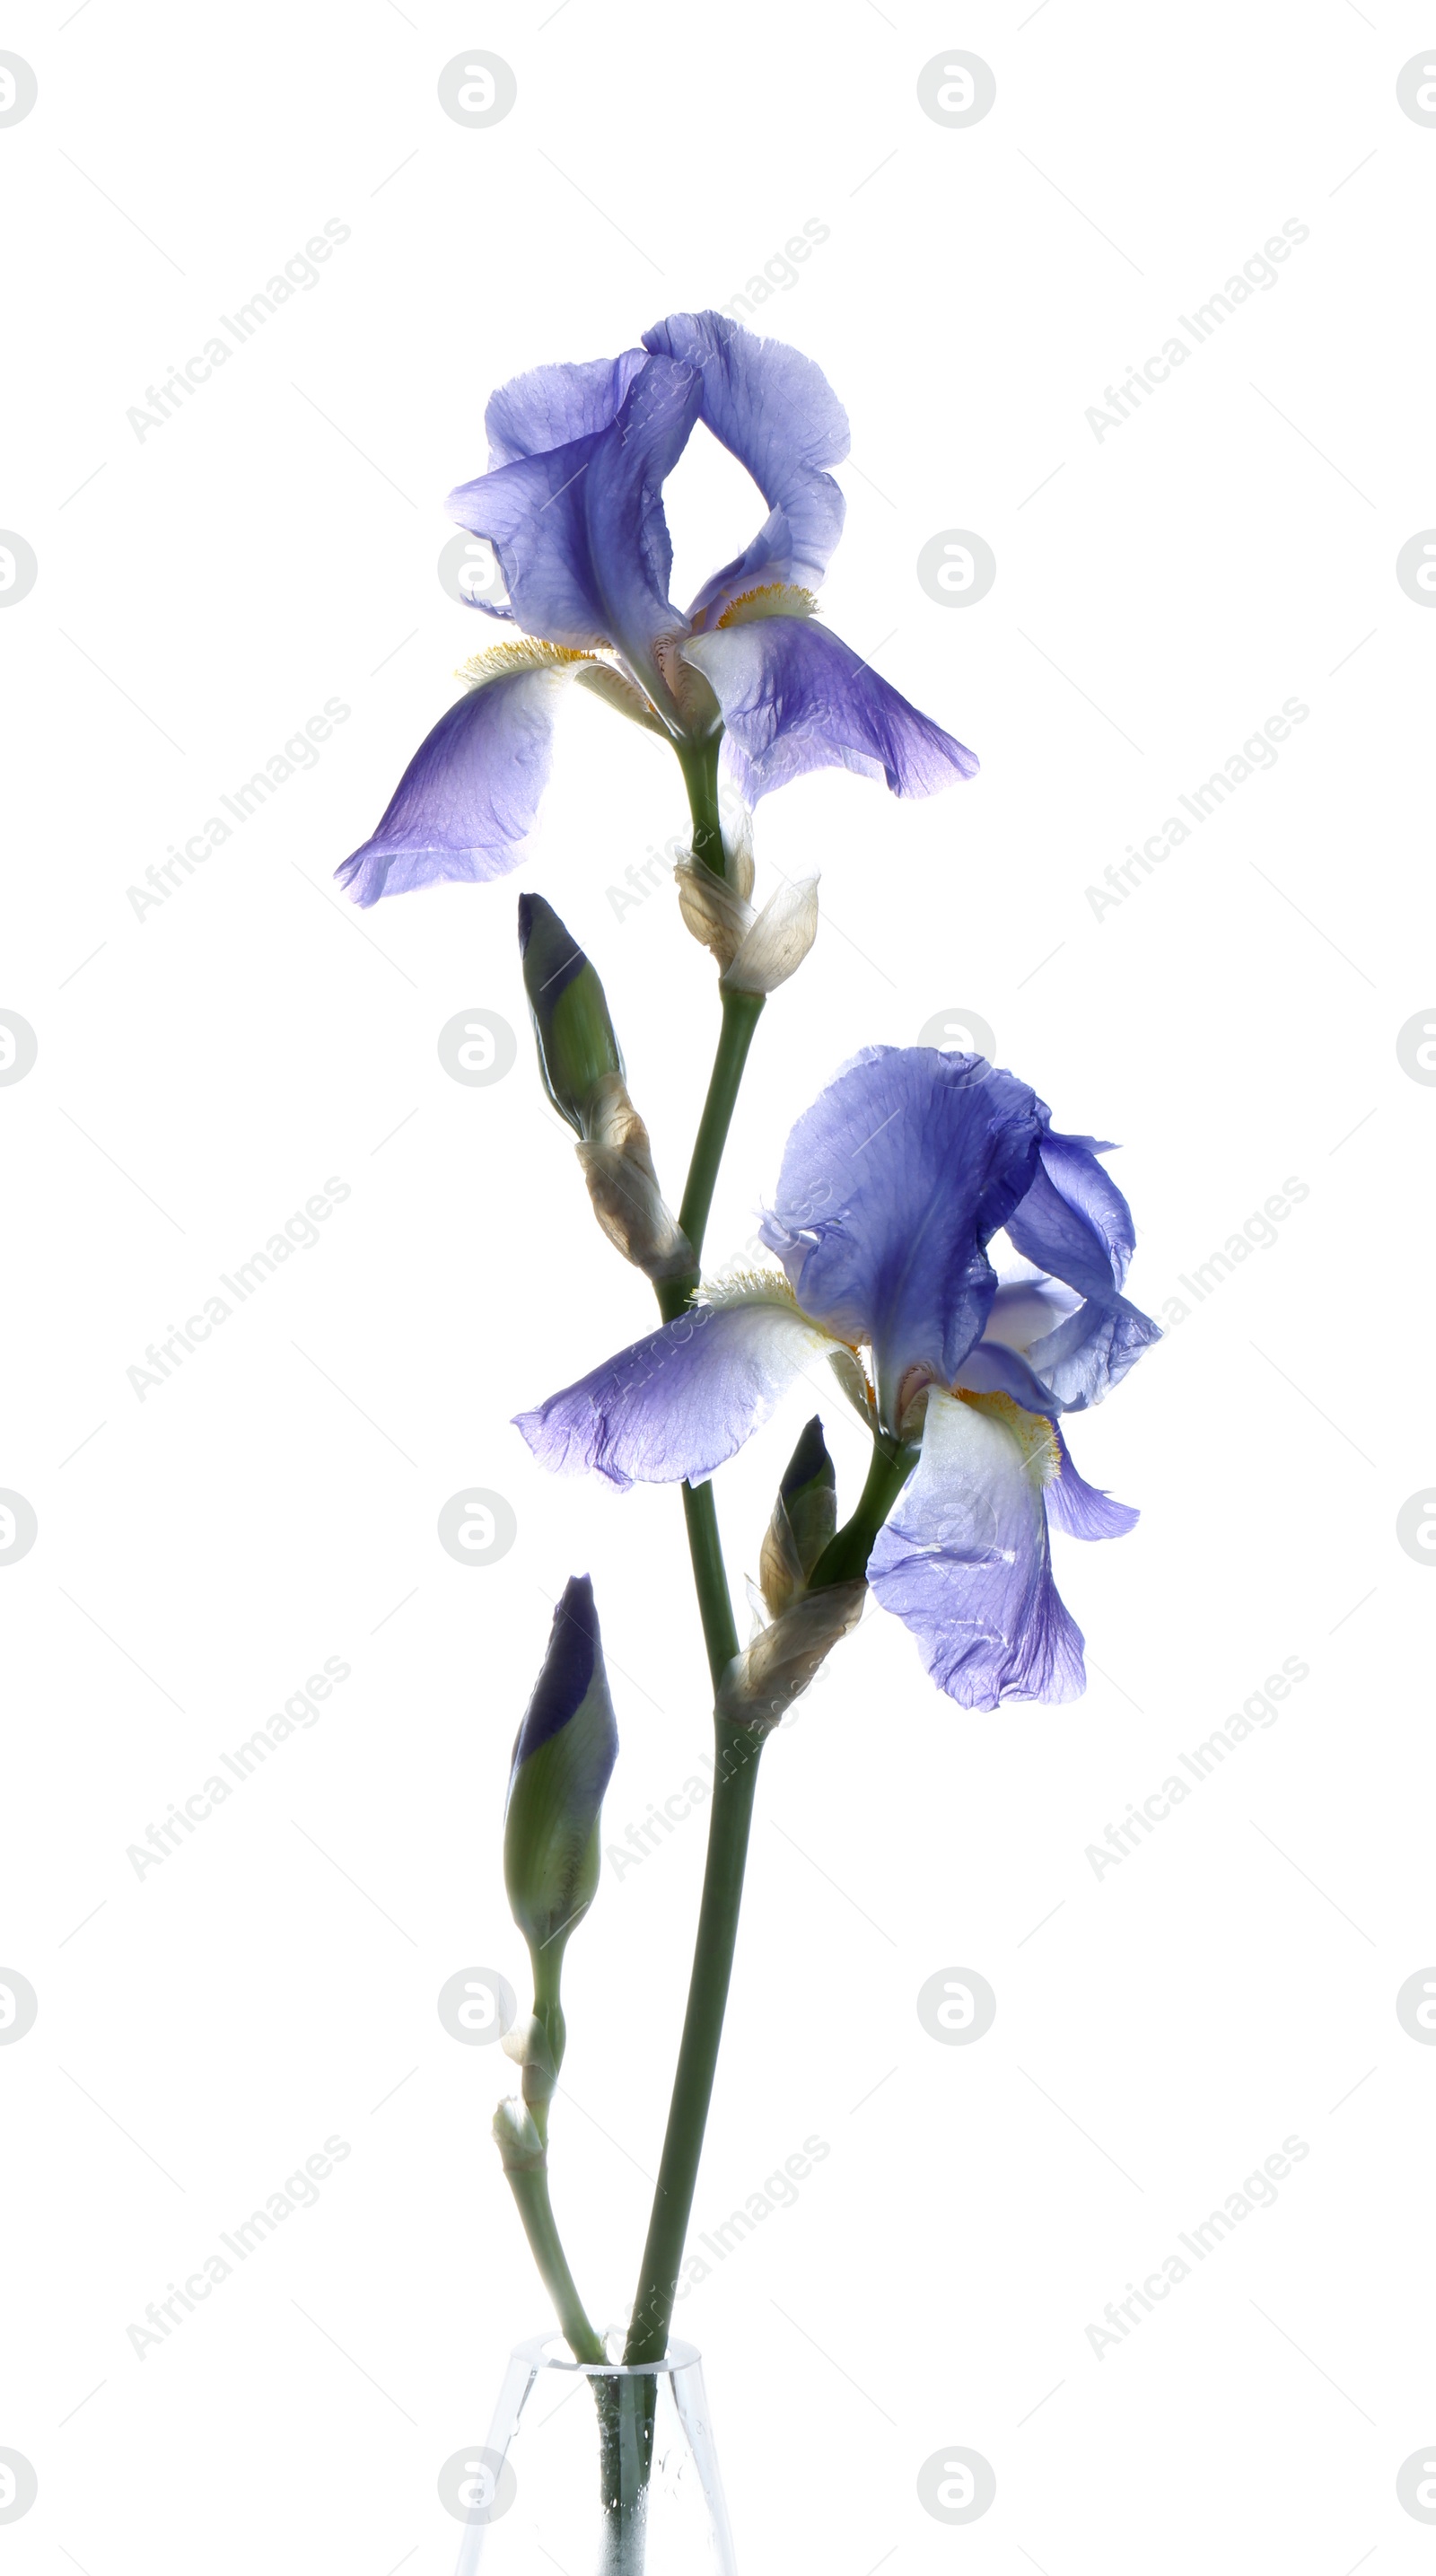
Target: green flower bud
{"type": "Point", "coordinates": [804, 1519]}
{"type": "Point", "coordinates": [576, 1044]}
{"type": "Point", "coordinates": [582, 1072]}
{"type": "Point", "coordinates": [563, 1760]}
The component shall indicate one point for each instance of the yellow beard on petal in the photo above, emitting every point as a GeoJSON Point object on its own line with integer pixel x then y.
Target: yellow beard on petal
{"type": "Point", "coordinates": [1033, 1433]}
{"type": "Point", "coordinates": [770, 599]}
{"type": "Point", "coordinates": [530, 653]}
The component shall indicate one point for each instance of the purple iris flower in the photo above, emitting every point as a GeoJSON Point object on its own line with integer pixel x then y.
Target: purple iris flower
{"type": "Point", "coordinates": [572, 505]}
{"type": "Point", "coordinates": [893, 1186]}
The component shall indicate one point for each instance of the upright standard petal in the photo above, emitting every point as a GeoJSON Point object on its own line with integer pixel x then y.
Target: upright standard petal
{"type": "Point", "coordinates": [467, 801]}
{"type": "Point", "coordinates": [775, 411]}
{"type": "Point", "coordinates": [892, 1185]}
{"type": "Point", "coordinates": [964, 1561]}
{"type": "Point", "coordinates": [579, 529]}
{"type": "Point", "coordinates": [1075, 1223]}
{"type": "Point", "coordinates": [796, 698]}
{"type": "Point", "coordinates": [681, 1401]}
{"type": "Point", "coordinates": [551, 406]}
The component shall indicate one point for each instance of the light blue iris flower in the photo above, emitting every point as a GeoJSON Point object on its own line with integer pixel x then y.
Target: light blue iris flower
{"type": "Point", "coordinates": [892, 1188]}
{"type": "Point", "coordinates": [572, 505]}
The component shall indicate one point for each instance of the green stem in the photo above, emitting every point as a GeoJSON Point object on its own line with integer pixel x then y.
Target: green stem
{"type": "Point", "coordinates": [531, 2196]}
{"type": "Point", "coordinates": [736, 1749]}
{"type": "Point", "coordinates": [845, 1558]}
{"type": "Point", "coordinates": [699, 764]}
{"type": "Point", "coordinates": [735, 1781]}
{"type": "Point", "coordinates": [741, 1014]}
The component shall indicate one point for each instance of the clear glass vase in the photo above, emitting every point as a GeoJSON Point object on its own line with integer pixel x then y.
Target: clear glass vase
{"type": "Point", "coordinates": [597, 2469]}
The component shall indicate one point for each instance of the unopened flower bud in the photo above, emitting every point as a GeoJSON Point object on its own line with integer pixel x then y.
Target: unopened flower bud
{"type": "Point", "coordinates": [576, 1044]}
{"type": "Point", "coordinates": [805, 1516]}
{"type": "Point", "coordinates": [761, 1684]}
{"type": "Point", "coordinates": [582, 1071]}
{"type": "Point", "coordinates": [563, 1761]}
{"type": "Point", "coordinates": [623, 1185]}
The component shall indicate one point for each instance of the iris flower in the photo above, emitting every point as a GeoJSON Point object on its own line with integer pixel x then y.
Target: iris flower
{"type": "Point", "coordinates": [892, 1188]}
{"type": "Point", "coordinates": [572, 506]}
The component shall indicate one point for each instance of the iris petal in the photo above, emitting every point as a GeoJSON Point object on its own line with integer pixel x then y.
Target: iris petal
{"type": "Point", "coordinates": [1075, 1223]}
{"type": "Point", "coordinates": [467, 801]}
{"type": "Point", "coordinates": [964, 1563]}
{"type": "Point", "coordinates": [681, 1401]}
{"type": "Point", "coordinates": [550, 406]}
{"type": "Point", "coordinates": [1083, 1510]}
{"type": "Point", "coordinates": [796, 698]}
{"type": "Point", "coordinates": [775, 411]}
{"type": "Point", "coordinates": [892, 1185]}
{"type": "Point", "coordinates": [579, 529]}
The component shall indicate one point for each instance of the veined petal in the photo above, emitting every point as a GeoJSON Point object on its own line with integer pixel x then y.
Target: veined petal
{"type": "Point", "coordinates": [775, 411]}
{"type": "Point", "coordinates": [467, 801]}
{"type": "Point", "coordinates": [964, 1561]}
{"type": "Point", "coordinates": [579, 529]}
{"type": "Point", "coordinates": [1076, 1224]}
{"type": "Point", "coordinates": [681, 1401]}
{"type": "Point", "coordinates": [1083, 1510]}
{"type": "Point", "coordinates": [551, 406]}
{"type": "Point", "coordinates": [796, 698]}
{"type": "Point", "coordinates": [891, 1187]}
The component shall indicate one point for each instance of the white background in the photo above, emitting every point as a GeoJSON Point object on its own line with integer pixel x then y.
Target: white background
{"type": "Point", "coordinates": [1160, 593]}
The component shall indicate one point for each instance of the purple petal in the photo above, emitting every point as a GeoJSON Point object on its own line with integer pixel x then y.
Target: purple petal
{"type": "Point", "coordinates": [795, 698]}
{"type": "Point", "coordinates": [891, 1187]}
{"type": "Point", "coordinates": [964, 1563]}
{"type": "Point", "coordinates": [551, 406]}
{"type": "Point", "coordinates": [681, 1401]}
{"type": "Point", "coordinates": [467, 801]}
{"type": "Point", "coordinates": [579, 529]}
{"type": "Point", "coordinates": [775, 411]}
{"type": "Point", "coordinates": [1075, 1223]}
{"type": "Point", "coordinates": [1083, 1510]}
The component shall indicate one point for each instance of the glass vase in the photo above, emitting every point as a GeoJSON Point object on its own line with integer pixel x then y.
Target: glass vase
{"type": "Point", "coordinates": [595, 2468]}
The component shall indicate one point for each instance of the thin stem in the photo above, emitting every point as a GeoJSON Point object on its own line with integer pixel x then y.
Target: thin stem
{"type": "Point", "coordinates": [845, 1558]}
{"type": "Point", "coordinates": [736, 1779]}
{"type": "Point", "coordinates": [699, 764]}
{"type": "Point", "coordinates": [531, 2196]}
{"type": "Point", "coordinates": [741, 1014]}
